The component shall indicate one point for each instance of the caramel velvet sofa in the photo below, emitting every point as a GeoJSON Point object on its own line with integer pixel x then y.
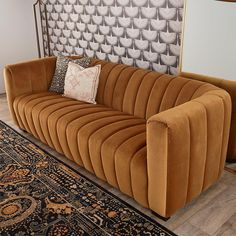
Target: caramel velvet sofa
{"type": "Point", "coordinates": [158, 138]}
{"type": "Point", "coordinates": [230, 87]}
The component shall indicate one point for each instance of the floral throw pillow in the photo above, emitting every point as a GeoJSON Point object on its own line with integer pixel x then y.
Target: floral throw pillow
{"type": "Point", "coordinates": [82, 84]}
{"type": "Point", "coordinates": [58, 80]}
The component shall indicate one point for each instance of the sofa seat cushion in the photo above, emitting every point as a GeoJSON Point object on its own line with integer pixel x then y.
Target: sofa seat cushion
{"type": "Point", "coordinates": [109, 143]}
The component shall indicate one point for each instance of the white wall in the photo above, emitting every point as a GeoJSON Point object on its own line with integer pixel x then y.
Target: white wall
{"type": "Point", "coordinates": [17, 33]}
{"type": "Point", "coordinates": [209, 44]}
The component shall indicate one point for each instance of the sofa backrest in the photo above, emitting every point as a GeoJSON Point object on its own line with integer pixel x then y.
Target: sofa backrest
{"type": "Point", "coordinates": [144, 93]}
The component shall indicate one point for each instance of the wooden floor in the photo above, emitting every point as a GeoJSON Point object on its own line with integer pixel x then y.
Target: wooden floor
{"type": "Point", "coordinates": [213, 213]}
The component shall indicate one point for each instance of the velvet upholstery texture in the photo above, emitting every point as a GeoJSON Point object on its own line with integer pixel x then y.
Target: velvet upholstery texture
{"type": "Point", "coordinates": [230, 87]}
{"type": "Point", "coordinates": [159, 139]}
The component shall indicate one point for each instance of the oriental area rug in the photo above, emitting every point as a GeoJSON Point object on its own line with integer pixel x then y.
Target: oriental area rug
{"type": "Point", "coordinates": [40, 195]}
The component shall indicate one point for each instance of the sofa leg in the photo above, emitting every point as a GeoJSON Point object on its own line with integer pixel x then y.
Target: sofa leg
{"type": "Point", "coordinates": [23, 130]}
{"type": "Point", "coordinates": [160, 217]}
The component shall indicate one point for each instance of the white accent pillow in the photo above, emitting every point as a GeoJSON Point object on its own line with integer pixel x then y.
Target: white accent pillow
{"type": "Point", "coordinates": [82, 84]}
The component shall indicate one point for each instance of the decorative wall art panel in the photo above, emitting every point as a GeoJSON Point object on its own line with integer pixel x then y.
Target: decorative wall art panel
{"type": "Point", "coordinates": [142, 33]}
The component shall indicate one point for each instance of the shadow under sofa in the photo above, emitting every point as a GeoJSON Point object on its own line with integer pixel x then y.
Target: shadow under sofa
{"type": "Point", "coordinates": [158, 138]}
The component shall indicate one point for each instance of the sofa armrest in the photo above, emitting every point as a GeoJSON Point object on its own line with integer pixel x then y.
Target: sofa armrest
{"type": "Point", "coordinates": [186, 150]}
{"type": "Point", "coordinates": [28, 77]}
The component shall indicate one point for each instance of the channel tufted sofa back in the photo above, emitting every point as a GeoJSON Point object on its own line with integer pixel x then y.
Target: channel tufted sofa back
{"type": "Point", "coordinates": [132, 90]}
{"type": "Point", "coordinates": [144, 93]}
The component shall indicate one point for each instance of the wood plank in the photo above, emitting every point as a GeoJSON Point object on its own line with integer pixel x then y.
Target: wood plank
{"type": "Point", "coordinates": [210, 218]}
{"type": "Point", "coordinates": [187, 229]}
{"type": "Point", "coordinates": [228, 228]}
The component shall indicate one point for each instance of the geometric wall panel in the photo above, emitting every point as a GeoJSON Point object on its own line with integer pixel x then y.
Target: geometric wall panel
{"type": "Point", "coordinates": [142, 33]}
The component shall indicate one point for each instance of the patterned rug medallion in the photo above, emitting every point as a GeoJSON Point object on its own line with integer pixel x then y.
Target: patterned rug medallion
{"type": "Point", "coordinates": [40, 195]}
